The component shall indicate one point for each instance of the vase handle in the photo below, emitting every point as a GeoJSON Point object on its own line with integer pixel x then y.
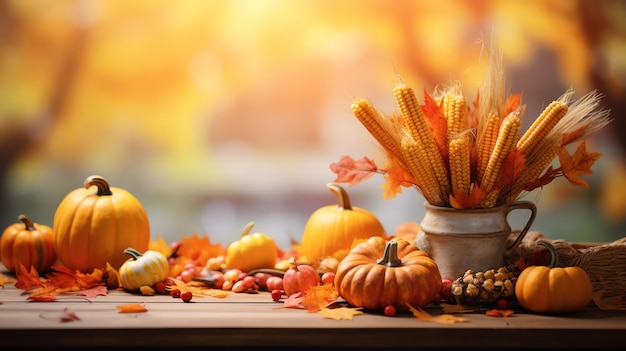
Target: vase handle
{"type": "Point", "coordinates": [522, 205]}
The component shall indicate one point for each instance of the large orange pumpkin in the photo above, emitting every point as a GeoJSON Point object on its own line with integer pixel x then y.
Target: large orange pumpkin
{"type": "Point", "coordinates": [27, 243]}
{"type": "Point", "coordinates": [93, 228]}
{"type": "Point", "coordinates": [378, 273]}
{"type": "Point", "coordinates": [332, 230]}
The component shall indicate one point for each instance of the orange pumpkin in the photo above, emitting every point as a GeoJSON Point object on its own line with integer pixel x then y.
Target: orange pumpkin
{"type": "Point", "coordinates": [93, 228]}
{"type": "Point", "coordinates": [299, 278]}
{"type": "Point", "coordinates": [379, 273]}
{"type": "Point", "coordinates": [332, 230]}
{"type": "Point", "coordinates": [29, 244]}
{"type": "Point", "coordinates": [551, 289]}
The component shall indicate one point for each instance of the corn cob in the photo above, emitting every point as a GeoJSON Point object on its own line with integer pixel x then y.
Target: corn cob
{"type": "Point", "coordinates": [485, 288]}
{"type": "Point", "coordinates": [373, 122]}
{"type": "Point", "coordinates": [417, 163]}
{"type": "Point", "coordinates": [550, 116]}
{"type": "Point", "coordinates": [486, 144]}
{"type": "Point", "coordinates": [460, 168]}
{"type": "Point", "coordinates": [456, 114]}
{"type": "Point", "coordinates": [420, 131]}
{"type": "Point", "coordinates": [508, 136]}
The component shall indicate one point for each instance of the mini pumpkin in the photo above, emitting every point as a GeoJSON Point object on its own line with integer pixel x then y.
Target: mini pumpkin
{"type": "Point", "coordinates": [144, 269]}
{"type": "Point", "coordinates": [27, 243]}
{"type": "Point", "coordinates": [299, 278]}
{"type": "Point", "coordinates": [378, 273]}
{"type": "Point", "coordinates": [92, 228]}
{"type": "Point", "coordinates": [251, 251]}
{"type": "Point", "coordinates": [550, 289]}
{"type": "Point", "coordinates": [332, 230]}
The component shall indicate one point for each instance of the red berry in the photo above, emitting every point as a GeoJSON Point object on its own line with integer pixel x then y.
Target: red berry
{"type": "Point", "coordinates": [159, 287]}
{"type": "Point", "coordinates": [276, 294]}
{"type": "Point", "coordinates": [446, 289]}
{"type": "Point", "coordinates": [389, 311]}
{"type": "Point", "coordinates": [175, 293]}
{"type": "Point", "coordinates": [502, 304]}
{"type": "Point", "coordinates": [186, 296]}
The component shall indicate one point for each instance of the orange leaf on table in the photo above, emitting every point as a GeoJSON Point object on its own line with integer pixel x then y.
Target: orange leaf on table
{"type": "Point", "coordinates": [339, 313]}
{"type": "Point", "coordinates": [577, 164]}
{"type": "Point", "coordinates": [6, 280]}
{"type": "Point", "coordinates": [320, 296]}
{"type": "Point", "coordinates": [441, 319]}
{"type": "Point", "coordinates": [67, 280]}
{"type": "Point", "coordinates": [27, 280]}
{"type": "Point", "coordinates": [499, 313]}
{"type": "Point", "coordinates": [293, 301]}
{"type": "Point", "coordinates": [47, 293]}
{"type": "Point", "coordinates": [132, 308]}
{"type": "Point", "coordinates": [92, 292]}
{"type": "Point", "coordinates": [349, 170]}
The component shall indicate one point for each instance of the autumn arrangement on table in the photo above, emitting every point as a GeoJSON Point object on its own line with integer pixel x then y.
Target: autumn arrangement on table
{"type": "Point", "coordinates": [463, 155]}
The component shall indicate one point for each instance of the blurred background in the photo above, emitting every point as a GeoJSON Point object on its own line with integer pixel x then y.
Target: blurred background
{"type": "Point", "coordinates": [217, 113]}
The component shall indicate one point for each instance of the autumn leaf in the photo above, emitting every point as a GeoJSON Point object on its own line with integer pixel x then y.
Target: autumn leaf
{"type": "Point", "coordinates": [27, 280]}
{"type": "Point", "coordinates": [441, 319]}
{"type": "Point", "coordinates": [47, 293]}
{"type": "Point", "coordinates": [499, 313]}
{"type": "Point", "coordinates": [449, 308]}
{"type": "Point", "coordinates": [349, 170]}
{"type": "Point", "coordinates": [319, 297]}
{"type": "Point", "coordinates": [67, 280]}
{"type": "Point", "coordinates": [511, 168]}
{"type": "Point", "coordinates": [92, 292]}
{"type": "Point", "coordinates": [437, 123]}
{"type": "Point", "coordinates": [6, 280]}
{"type": "Point", "coordinates": [549, 175]}
{"type": "Point", "coordinates": [198, 250]}
{"type": "Point", "coordinates": [64, 316]}
{"type": "Point", "coordinates": [579, 164]}
{"type": "Point", "coordinates": [293, 301]}
{"type": "Point", "coordinates": [160, 245]}
{"type": "Point", "coordinates": [459, 200]}
{"type": "Point", "coordinates": [512, 103]}
{"type": "Point", "coordinates": [396, 178]}
{"type": "Point", "coordinates": [112, 277]}
{"type": "Point", "coordinates": [132, 308]}
{"type": "Point", "coordinates": [339, 313]}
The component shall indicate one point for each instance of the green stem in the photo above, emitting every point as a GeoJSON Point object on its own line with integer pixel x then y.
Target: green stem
{"type": "Point", "coordinates": [133, 253]}
{"type": "Point", "coordinates": [554, 257]}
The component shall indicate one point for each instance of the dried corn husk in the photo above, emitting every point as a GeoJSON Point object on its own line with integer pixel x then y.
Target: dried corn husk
{"type": "Point", "coordinates": [605, 264]}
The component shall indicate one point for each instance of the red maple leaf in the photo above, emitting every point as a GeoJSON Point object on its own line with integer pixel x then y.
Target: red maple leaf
{"type": "Point", "coordinates": [349, 170]}
{"type": "Point", "coordinates": [437, 122]}
{"type": "Point", "coordinates": [293, 301]}
{"type": "Point", "coordinates": [512, 166]}
{"type": "Point", "coordinates": [462, 201]}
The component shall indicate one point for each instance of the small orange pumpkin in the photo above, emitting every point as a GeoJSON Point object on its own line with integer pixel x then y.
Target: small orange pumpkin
{"type": "Point", "coordinates": [299, 278]}
{"type": "Point", "coordinates": [551, 289]}
{"type": "Point", "coordinates": [27, 243]}
{"type": "Point", "coordinates": [332, 230]}
{"type": "Point", "coordinates": [92, 229]}
{"type": "Point", "coordinates": [378, 273]}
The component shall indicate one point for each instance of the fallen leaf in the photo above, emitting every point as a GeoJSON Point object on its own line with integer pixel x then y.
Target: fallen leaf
{"type": "Point", "coordinates": [339, 313]}
{"type": "Point", "coordinates": [441, 319]}
{"type": "Point", "coordinates": [93, 292]}
{"type": "Point", "coordinates": [132, 308]}
{"type": "Point", "coordinates": [319, 297]}
{"type": "Point", "coordinates": [449, 308]}
{"type": "Point", "coordinates": [27, 280]}
{"type": "Point", "coordinates": [293, 301]}
{"type": "Point", "coordinates": [64, 316]}
{"type": "Point", "coordinates": [6, 280]}
{"type": "Point", "coordinates": [499, 313]}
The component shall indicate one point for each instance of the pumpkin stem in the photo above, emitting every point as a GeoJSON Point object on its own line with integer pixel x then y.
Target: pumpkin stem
{"type": "Point", "coordinates": [246, 230]}
{"type": "Point", "coordinates": [133, 253]}
{"type": "Point", "coordinates": [554, 257]}
{"type": "Point", "coordinates": [101, 183]}
{"type": "Point", "coordinates": [342, 195]}
{"type": "Point", "coordinates": [27, 222]}
{"type": "Point", "coordinates": [390, 257]}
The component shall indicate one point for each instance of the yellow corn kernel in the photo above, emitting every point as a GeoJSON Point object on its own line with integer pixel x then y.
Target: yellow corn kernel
{"type": "Point", "coordinates": [460, 169]}
{"type": "Point", "coordinates": [418, 127]}
{"type": "Point", "coordinates": [536, 164]}
{"type": "Point", "coordinates": [419, 166]}
{"type": "Point", "coordinates": [486, 143]}
{"type": "Point", "coordinates": [373, 122]}
{"type": "Point", "coordinates": [508, 135]}
{"type": "Point", "coordinates": [491, 199]}
{"type": "Point", "coordinates": [456, 114]}
{"type": "Point", "coordinates": [550, 116]}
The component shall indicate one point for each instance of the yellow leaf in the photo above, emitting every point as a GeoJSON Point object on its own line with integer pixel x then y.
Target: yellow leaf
{"type": "Point", "coordinates": [339, 313]}
{"type": "Point", "coordinates": [448, 308]}
{"type": "Point", "coordinates": [441, 319]}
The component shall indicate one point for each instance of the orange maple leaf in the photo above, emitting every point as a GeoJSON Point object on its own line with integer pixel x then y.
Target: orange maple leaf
{"type": "Point", "coordinates": [339, 313]}
{"type": "Point", "coordinates": [441, 319]}
{"type": "Point", "coordinates": [512, 103]}
{"type": "Point", "coordinates": [198, 249]}
{"type": "Point", "coordinates": [512, 166]}
{"type": "Point", "coordinates": [160, 245]}
{"type": "Point", "coordinates": [67, 280]}
{"type": "Point", "coordinates": [349, 170]}
{"type": "Point", "coordinates": [47, 293]}
{"type": "Point", "coordinates": [499, 313]}
{"type": "Point", "coordinates": [462, 201]}
{"type": "Point", "coordinates": [27, 280]}
{"type": "Point", "coordinates": [395, 179]}
{"type": "Point", "coordinates": [293, 301]}
{"type": "Point", "coordinates": [578, 164]}
{"type": "Point", "coordinates": [320, 296]}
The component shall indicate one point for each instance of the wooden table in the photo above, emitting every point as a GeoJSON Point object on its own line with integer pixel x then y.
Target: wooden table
{"type": "Point", "coordinates": [253, 321]}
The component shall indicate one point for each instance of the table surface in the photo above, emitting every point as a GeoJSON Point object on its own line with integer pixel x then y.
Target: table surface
{"type": "Point", "coordinates": [254, 321]}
